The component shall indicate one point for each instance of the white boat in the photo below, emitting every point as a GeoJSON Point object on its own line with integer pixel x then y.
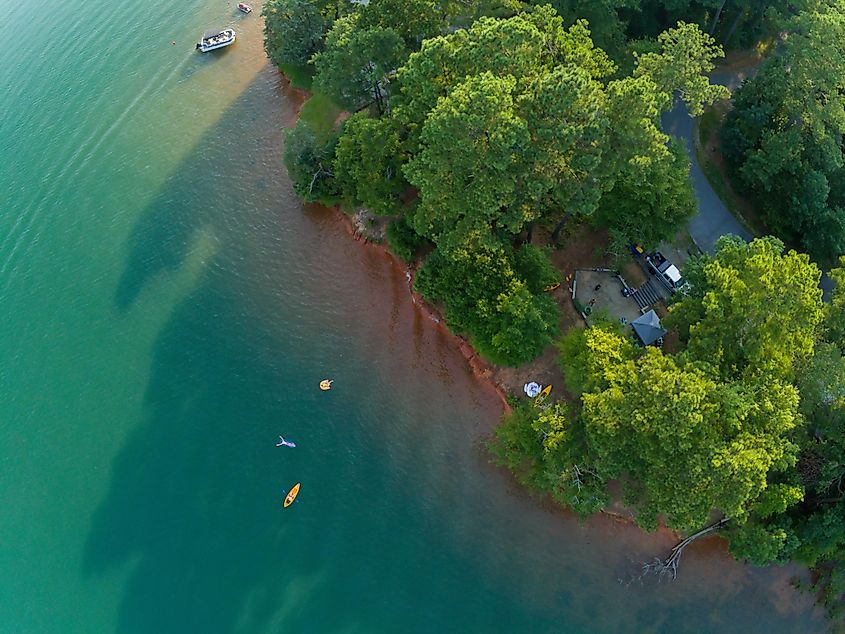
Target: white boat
{"type": "Point", "coordinates": [243, 7]}
{"type": "Point", "coordinates": [216, 39]}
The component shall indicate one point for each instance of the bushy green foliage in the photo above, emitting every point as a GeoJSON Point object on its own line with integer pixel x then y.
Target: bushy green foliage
{"type": "Point", "coordinates": [685, 58]}
{"type": "Point", "coordinates": [751, 309]}
{"type": "Point", "coordinates": [404, 242]}
{"type": "Point", "coordinates": [834, 319]}
{"type": "Point", "coordinates": [485, 298]}
{"type": "Point", "coordinates": [532, 265]}
{"type": "Point", "coordinates": [367, 165]}
{"type": "Point", "coordinates": [309, 164]}
{"type": "Point", "coordinates": [364, 48]}
{"type": "Point", "coordinates": [647, 206]}
{"type": "Point", "coordinates": [590, 356]}
{"type": "Point", "coordinates": [293, 30]}
{"type": "Point", "coordinates": [538, 130]}
{"type": "Point", "coordinates": [687, 443]}
{"type": "Point", "coordinates": [355, 63]}
{"type": "Point", "coordinates": [544, 447]}
{"type": "Point", "coordinates": [413, 20]}
{"type": "Point", "coordinates": [733, 23]}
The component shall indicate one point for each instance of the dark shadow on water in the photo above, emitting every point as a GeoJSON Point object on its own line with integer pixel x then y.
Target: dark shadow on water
{"type": "Point", "coordinates": [175, 510]}
{"type": "Point", "coordinates": [180, 513]}
{"type": "Point", "coordinates": [206, 190]}
{"type": "Point", "coordinates": [203, 60]}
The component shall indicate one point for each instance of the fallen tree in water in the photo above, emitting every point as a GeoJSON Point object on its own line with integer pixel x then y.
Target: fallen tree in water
{"type": "Point", "coordinates": [669, 566]}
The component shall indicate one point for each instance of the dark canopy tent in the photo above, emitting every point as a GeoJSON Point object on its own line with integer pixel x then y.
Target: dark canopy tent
{"type": "Point", "coordinates": [648, 328]}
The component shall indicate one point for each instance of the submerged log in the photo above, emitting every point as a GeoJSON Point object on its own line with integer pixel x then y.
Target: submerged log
{"type": "Point", "coordinates": [669, 566]}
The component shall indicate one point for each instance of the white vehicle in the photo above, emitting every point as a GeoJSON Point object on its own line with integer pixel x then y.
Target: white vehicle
{"type": "Point", "coordinates": [216, 39]}
{"type": "Point", "coordinates": [664, 270]}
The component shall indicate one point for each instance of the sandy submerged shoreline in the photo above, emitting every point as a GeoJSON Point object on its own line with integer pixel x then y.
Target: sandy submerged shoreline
{"type": "Point", "coordinates": [482, 370]}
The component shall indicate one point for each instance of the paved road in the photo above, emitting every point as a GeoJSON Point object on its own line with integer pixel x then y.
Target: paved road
{"type": "Point", "coordinates": [713, 218]}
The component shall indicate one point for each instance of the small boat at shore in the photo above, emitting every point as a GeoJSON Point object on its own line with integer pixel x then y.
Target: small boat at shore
{"type": "Point", "coordinates": [216, 39]}
{"type": "Point", "coordinates": [291, 496]}
{"type": "Point", "coordinates": [244, 8]}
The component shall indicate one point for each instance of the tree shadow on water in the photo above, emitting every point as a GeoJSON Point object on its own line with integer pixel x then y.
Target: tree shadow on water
{"type": "Point", "coordinates": [211, 187]}
{"type": "Point", "coordinates": [194, 505]}
{"type": "Point", "coordinates": [193, 511]}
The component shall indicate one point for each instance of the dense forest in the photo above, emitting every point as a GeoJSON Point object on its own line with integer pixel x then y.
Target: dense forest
{"type": "Point", "coordinates": [783, 137]}
{"type": "Point", "coordinates": [471, 123]}
{"type": "Point", "coordinates": [469, 138]}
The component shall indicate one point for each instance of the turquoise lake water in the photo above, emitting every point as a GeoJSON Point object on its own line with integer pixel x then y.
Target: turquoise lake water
{"type": "Point", "coordinates": [168, 309]}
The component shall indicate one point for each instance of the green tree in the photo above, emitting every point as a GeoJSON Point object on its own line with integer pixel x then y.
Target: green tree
{"type": "Point", "coordinates": [404, 242]}
{"type": "Point", "coordinates": [413, 20]}
{"type": "Point", "coordinates": [367, 164]}
{"type": "Point", "coordinates": [834, 318]}
{"type": "Point", "coordinates": [821, 380]}
{"type": "Point", "coordinates": [532, 265]}
{"type": "Point", "coordinates": [606, 24]}
{"type": "Point", "coordinates": [752, 309]}
{"type": "Point", "coordinates": [355, 65]}
{"type": "Point", "coordinates": [309, 164]}
{"type": "Point", "coordinates": [293, 30]}
{"type": "Point", "coordinates": [651, 205]}
{"type": "Point", "coordinates": [685, 60]}
{"type": "Point", "coordinates": [484, 297]}
{"type": "Point", "coordinates": [545, 449]}
{"type": "Point", "coordinates": [687, 444]}
{"type": "Point", "coordinates": [526, 46]}
{"type": "Point", "coordinates": [590, 357]}
{"type": "Point", "coordinates": [462, 192]}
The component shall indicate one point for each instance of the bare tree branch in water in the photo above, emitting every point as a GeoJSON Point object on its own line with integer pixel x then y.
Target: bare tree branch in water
{"type": "Point", "coordinates": [669, 567]}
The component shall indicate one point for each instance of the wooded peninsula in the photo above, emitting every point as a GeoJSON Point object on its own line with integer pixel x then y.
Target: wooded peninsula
{"type": "Point", "coordinates": [474, 126]}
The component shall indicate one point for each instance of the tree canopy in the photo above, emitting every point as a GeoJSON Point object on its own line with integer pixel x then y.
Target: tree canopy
{"type": "Point", "coordinates": [293, 30]}
{"type": "Point", "coordinates": [685, 443]}
{"type": "Point", "coordinates": [751, 309]}
{"type": "Point", "coordinates": [784, 135]}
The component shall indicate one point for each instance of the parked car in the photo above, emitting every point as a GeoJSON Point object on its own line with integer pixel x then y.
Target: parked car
{"type": "Point", "coordinates": [665, 271]}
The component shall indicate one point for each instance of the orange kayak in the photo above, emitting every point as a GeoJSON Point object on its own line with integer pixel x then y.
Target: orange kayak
{"type": "Point", "coordinates": [291, 496]}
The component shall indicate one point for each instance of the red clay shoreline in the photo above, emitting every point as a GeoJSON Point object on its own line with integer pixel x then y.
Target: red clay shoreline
{"type": "Point", "coordinates": [479, 368]}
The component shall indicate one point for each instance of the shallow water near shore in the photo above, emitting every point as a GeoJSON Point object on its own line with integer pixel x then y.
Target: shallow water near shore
{"type": "Point", "coordinates": [168, 310]}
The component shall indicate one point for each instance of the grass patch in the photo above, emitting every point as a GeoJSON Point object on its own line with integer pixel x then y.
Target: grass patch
{"type": "Point", "coordinates": [711, 121]}
{"type": "Point", "coordinates": [683, 242]}
{"type": "Point", "coordinates": [299, 76]}
{"type": "Point", "coordinates": [320, 113]}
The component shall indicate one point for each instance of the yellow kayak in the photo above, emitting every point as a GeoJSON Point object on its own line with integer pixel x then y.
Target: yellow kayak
{"type": "Point", "coordinates": [291, 496]}
{"type": "Point", "coordinates": [550, 287]}
{"type": "Point", "coordinates": [543, 395]}
{"type": "Point", "coordinates": [326, 384]}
